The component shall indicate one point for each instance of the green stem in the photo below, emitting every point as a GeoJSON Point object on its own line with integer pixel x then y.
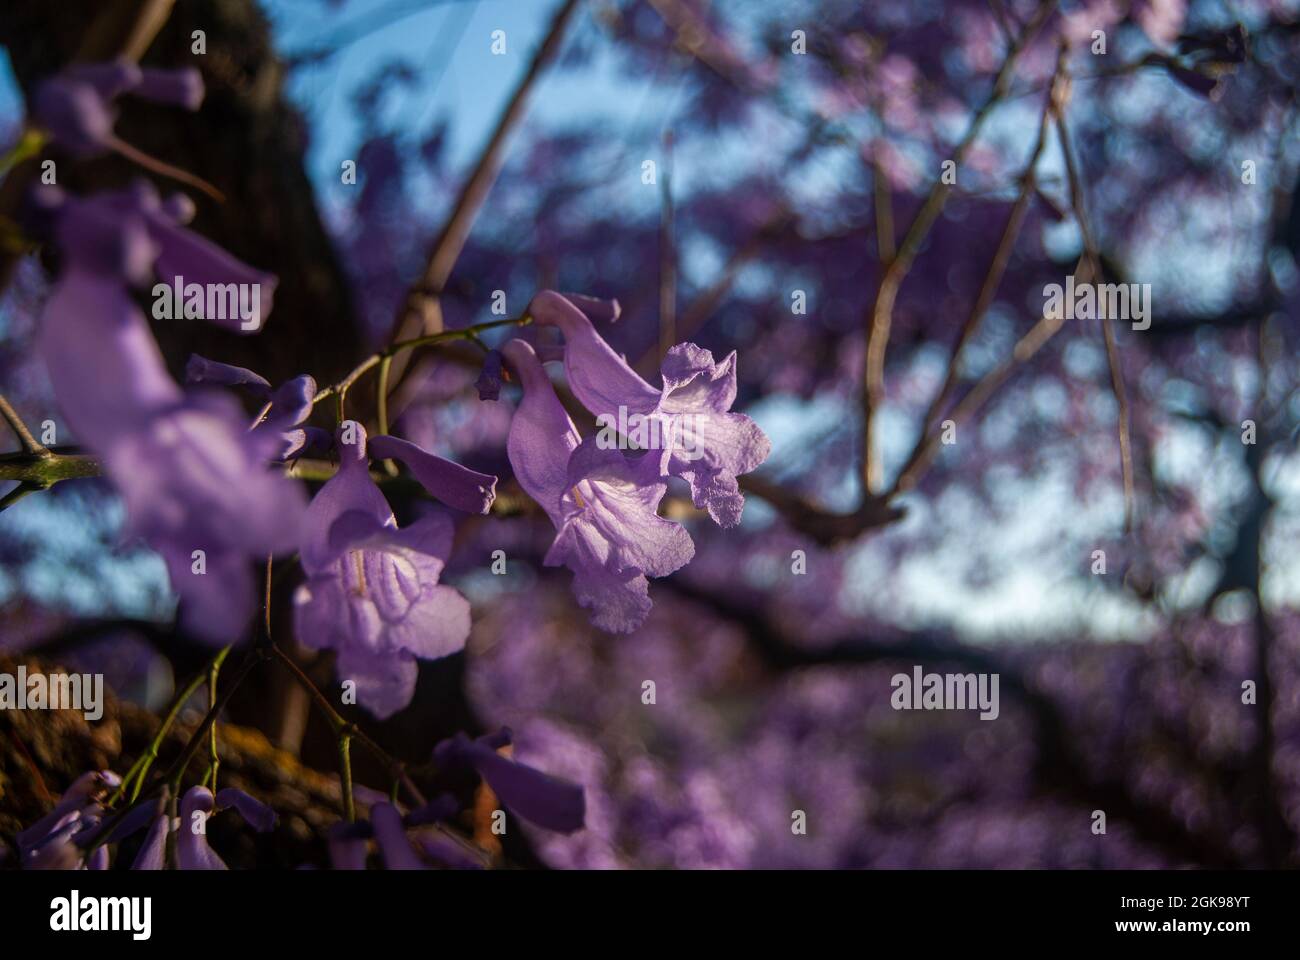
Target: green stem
{"type": "Point", "coordinates": [214, 761]}
{"type": "Point", "coordinates": [345, 776]}
{"type": "Point", "coordinates": [172, 776]}
{"type": "Point", "coordinates": [428, 340]}
{"type": "Point", "coordinates": [140, 769]}
{"type": "Point", "coordinates": [177, 769]}
{"type": "Point", "coordinates": [47, 469]}
{"type": "Point", "coordinates": [29, 144]}
{"type": "Point", "coordinates": [342, 727]}
{"type": "Point", "coordinates": [381, 406]}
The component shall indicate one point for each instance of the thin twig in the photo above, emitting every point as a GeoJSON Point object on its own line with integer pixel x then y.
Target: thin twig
{"type": "Point", "coordinates": [381, 404]}
{"type": "Point", "coordinates": [18, 493]}
{"type": "Point", "coordinates": [1107, 328]}
{"type": "Point", "coordinates": [345, 777]}
{"type": "Point", "coordinates": [913, 467]}
{"type": "Point", "coordinates": [340, 725]}
{"type": "Point", "coordinates": [433, 339]}
{"type": "Point", "coordinates": [29, 442]}
{"type": "Point", "coordinates": [880, 316]}
{"type": "Point", "coordinates": [451, 240]}
{"type": "Point", "coordinates": [667, 257]}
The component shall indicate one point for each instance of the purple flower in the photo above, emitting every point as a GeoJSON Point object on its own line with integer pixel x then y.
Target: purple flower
{"type": "Point", "coordinates": [51, 842]}
{"type": "Point", "coordinates": [456, 486]}
{"type": "Point", "coordinates": [191, 849]}
{"type": "Point", "coordinates": [536, 796]}
{"type": "Point", "coordinates": [604, 505]}
{"type": "Point", "coordinates": [197, 490]}
{"type": "Point", "coordinates": [132, 234]}
{"type": "Point", "coordinates": [152, 854]}
{"type": "Point", "coordinates": [372, 592]}
{"type": "Point", "coordinates": [287, 408]}
{"type": "Point", "coordinates": [349, 844]}
{"type": "Point", "coordinates": [404, 842]}
{"type": "Point", "coordinates": [687, 420]}
{"type": "Point", "coordinates": [76, 107]}
{"type": "Point", "coordinates": [390, 837]}
{"type": "Point", "coordinates": [193, 478]}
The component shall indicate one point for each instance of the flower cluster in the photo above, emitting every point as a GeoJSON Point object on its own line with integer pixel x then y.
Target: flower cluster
{"type": "Point", "coordinates": [210, 492]}
{"type": "Point", "coordinates": [604, 498]}
{"type": "Point", "coordinates": [416, 840]}
{"type": "Point", "coordinates": [82, 829]}
{"type": "Point", "coordinates": [77, 834]}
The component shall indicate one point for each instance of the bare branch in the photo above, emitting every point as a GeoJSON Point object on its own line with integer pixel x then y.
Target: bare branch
{"type": "Point", "coordinates": [415, 315]}
{"type": "Point", "coordinates": [880, 316]}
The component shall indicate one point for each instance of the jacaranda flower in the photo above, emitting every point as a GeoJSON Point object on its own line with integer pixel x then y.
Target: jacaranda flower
{"type": "Point", "coordinates": [193, 478]}
{"type": "Point", "coordinates": [76, 107]}
{"type": "Point", "coordinates": [191, 848]}
{"type": "Point", "coordinates": [51, 842]}
{"type": "Point", "coordinates": [372, 592]}
{"type": "Point", "coordinates": [286, 408]}
{"type": "Point", "coordinates": [411, 842]}
{"type": "Point", "coordinates": [536, 796]}
{"type": "Point", "coordinates": [686, 423]}
{"type": "Point", "coordinates": [197, 489]}
{"type": "Point", "coordinates": [603, 503]}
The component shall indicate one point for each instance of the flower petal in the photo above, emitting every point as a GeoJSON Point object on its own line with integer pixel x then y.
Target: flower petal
{"type": "Point", "coordinates": [454, 485]}
{"type": "Point", "coordinates": [182, 87]}
{"type": "Point", "coordinates": [390, 837]}
{"type": "Point", "coordinates": [536, 796]}
{"type": "Point", "coordinates": [256, 814]}
{"type": "Point", "coordinates": [192, 850]}
{"type": "Point", "coordinates": [348, 845]}
{"type": "Point", "coordinates": [349, 489]}
{"type": "Point", "coordinates": [622, 497]}
{"type": "Point", "coordinates": [714, 450]}
{"type": "Point", "coordinates": [541, 434]}
{"type": "Point", "coordinates": [600, 378]}
{"type": "Point", "coordinates": [385, 683]}
{"type": "Point", "coordinates": [151, 855]}
{"type": "Point", "coordinates": [91, 334]}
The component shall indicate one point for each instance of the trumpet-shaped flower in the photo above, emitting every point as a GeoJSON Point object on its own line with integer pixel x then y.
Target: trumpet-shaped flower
{"type": "Point", "coordinates": [372, 592]}
{"type": "Point", "coordinates": [686, 423]}
{"type": "Point", "coordinates": [604, 504]}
